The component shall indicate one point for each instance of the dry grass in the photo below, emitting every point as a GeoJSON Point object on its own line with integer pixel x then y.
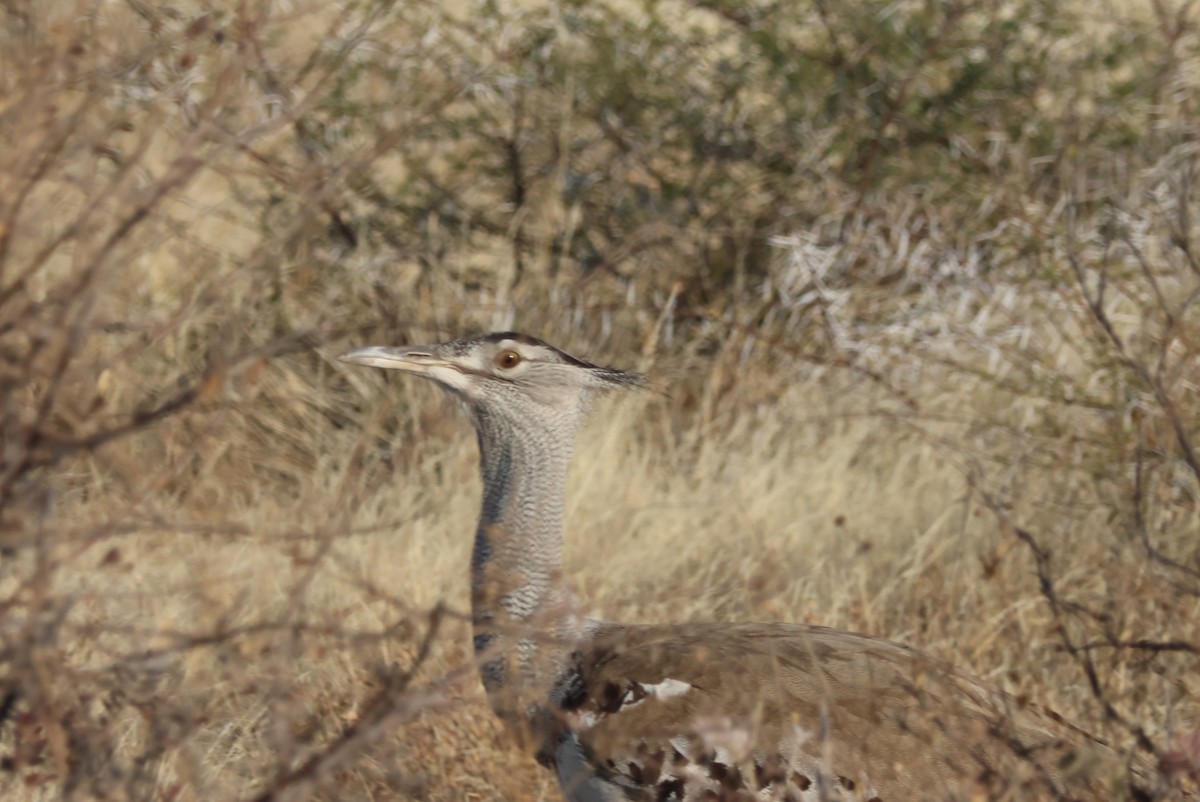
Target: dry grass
{"type": "Point", "coordinates": [941, 394]}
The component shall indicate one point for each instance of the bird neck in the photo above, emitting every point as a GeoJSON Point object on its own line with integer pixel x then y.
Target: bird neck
{"type": "Point", "coordinates": [524, 617]}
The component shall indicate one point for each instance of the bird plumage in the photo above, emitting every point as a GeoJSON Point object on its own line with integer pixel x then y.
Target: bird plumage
{"type": "Point", "coordinates": [783, 711]}
{"type": "Point", "coordinates": [689, 711]}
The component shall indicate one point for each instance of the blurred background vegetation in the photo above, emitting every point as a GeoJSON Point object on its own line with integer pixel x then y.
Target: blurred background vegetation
{"type": "Point", "coordinates": [915, 282]}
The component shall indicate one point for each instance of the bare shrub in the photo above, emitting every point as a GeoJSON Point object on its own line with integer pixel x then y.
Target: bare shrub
{"type": "Point", "coordinates": [917, 283]}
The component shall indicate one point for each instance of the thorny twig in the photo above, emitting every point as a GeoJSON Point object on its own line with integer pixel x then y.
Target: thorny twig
{"type": "Point", "coordinates": [394, 702]}
{"type": "Point", "coordinates": [1096, 306]}
{"type": "Point", "coordinates": [1059, 609]}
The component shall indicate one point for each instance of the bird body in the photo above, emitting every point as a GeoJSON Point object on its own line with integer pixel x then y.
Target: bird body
{"type": "Point", "coordinates": [690, 711]}
{"type": "Point", "coordinates": [722, 707]}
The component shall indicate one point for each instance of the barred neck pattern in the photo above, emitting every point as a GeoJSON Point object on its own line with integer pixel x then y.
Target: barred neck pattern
{"type": "Point", "coordinates": [524, 618]}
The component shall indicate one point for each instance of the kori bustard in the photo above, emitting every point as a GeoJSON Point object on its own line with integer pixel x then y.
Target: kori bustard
{"type": "Point", "coordinates": [691, 711]}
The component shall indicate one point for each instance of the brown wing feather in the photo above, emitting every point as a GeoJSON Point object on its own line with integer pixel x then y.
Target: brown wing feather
{"type": "Point", "coordinates": [861, 709]}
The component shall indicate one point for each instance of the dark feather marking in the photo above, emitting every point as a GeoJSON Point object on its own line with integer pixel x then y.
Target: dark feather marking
{"type": "Point", "coordinates": [461, 347]}
{"type": "Point", "coordinates": [525, 339]}
{"type": "Point", "coordinates": [652, 761]}
{"type": "Point", "coordinates": [772, 770]}
{"type": "Point", "coordinates": [610, 698]}
{"type": "Point", "coordinates": [670, 790]}
{"type": "Point", "coordinates": [730, 779]}
{"type": "Point", "coordinates": [570, 691]}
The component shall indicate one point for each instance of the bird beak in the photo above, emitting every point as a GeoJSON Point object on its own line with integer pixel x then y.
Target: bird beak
{"type": "Point", "coordinates": [409, 358]}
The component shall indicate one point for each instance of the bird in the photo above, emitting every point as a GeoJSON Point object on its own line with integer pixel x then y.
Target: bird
{"type": "Point", "coordinates": [698, 710]}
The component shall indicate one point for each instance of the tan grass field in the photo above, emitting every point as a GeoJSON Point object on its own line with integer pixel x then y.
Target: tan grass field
{"type": "Point", "coordinates": [232, 568]}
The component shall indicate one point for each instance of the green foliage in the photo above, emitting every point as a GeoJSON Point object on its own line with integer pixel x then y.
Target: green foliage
{"type": "Point", "coordinates": [602, 136]}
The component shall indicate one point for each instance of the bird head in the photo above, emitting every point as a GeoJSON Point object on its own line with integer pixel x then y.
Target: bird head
{"type": "Point", "coordinates": [502, 373]}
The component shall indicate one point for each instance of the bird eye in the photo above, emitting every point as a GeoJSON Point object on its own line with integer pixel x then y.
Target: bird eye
{"type": "Point", "coordinates": [507, 359]}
